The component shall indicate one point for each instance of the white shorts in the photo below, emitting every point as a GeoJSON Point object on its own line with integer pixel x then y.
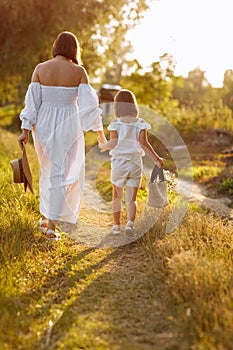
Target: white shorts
{"type": "Point", "coordinates": [126, 172]}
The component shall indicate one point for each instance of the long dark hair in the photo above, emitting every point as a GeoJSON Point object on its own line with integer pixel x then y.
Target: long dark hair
{"type": "Point", "coordinates": [67, 45]}
{"type": "Point", "coordinates": [125, 104]}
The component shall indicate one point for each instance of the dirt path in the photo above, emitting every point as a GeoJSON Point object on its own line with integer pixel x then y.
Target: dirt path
{"type": "Point", "coordinates": [93, 228]}
{"type": "Point", "coordinates": [217, 205]}
{"type": "Point", "coordinates": [111, 302]}
{"type": "Point", "coordinates": [94, 225]}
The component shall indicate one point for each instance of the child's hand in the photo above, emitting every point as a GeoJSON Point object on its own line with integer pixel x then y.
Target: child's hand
{"type": "Point", "coordinates": [161, 161]}
{"type": "Point", "coordinates": [108, 145]}
{"type": "Point", "coordinates": [102, 146]}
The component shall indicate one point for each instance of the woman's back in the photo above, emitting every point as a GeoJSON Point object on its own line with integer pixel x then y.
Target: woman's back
{"type": "Point", "coordinates": [60, 71]}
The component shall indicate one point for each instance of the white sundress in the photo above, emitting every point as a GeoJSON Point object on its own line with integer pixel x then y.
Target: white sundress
{"type": "Point", "coordinates": [58, 117]}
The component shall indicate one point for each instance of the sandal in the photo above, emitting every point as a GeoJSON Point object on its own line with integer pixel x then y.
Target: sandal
{"type": "Point", "coordinates": [43, 225]}
{"type": "Point", "coordinates": [52, 235]}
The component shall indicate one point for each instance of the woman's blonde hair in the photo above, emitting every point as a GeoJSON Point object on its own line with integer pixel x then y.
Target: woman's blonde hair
{"type": "Point", "coordinates": [125, 104]}
{"type": "Point", "coordinates": [66, 44]}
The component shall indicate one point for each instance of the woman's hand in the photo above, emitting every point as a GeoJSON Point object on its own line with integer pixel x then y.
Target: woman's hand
{"type": "Point", "coordinates": [101, 137]}
{"type": "Point", "coordinates": [23, 138]}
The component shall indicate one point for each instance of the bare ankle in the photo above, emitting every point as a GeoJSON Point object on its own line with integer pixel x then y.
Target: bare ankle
{"type": "Point", "coordinates": [51, 225]}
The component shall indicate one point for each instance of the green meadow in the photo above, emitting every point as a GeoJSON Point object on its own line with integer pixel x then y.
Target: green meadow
{"type": "Point", "coordinates": [161, 292]}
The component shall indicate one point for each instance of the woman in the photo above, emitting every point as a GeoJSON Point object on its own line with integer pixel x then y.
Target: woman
{"type": "Point", "coordinates": [60, 105]}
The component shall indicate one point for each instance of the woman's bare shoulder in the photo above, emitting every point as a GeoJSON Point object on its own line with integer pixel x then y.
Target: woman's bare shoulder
{"type": "Point", "coordinates": [42, 65]}
{"type": "Point", "coordinates": [39, 68]}
{"type": "Point", "coordinates": [45, 63]}
{"type": "Point", "coordinates": [70, 74]}
{"type": "Point", "coordinates": [81, 71]}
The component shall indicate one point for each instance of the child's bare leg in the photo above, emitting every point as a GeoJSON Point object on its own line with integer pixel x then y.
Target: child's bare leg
{"type": "Point", "coordinates": [117, 195]}
{"type": "Point", "coordinates": [131, 195]}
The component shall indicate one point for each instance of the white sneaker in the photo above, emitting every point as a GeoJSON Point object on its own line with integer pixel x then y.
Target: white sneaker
{"type": "Point", "coordinates": [116, 229]}
{"type": "Point", "coordinates": [129, 227]}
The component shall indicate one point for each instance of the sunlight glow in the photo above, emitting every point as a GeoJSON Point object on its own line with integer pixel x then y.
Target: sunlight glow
{"type": "Point", "coordinates": [196, 33]}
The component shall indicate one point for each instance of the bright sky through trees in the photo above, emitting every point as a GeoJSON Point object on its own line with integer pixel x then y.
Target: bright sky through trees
{"type": "Point", "coordinates": [198, 33]}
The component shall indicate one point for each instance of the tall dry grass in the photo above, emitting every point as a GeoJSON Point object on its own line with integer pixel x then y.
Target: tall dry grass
{"type": "Point", "coordinates": [195, 263]}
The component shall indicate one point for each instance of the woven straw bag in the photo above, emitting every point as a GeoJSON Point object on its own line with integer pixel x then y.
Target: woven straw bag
{"type": "Point", "coordinates": [157, 189]}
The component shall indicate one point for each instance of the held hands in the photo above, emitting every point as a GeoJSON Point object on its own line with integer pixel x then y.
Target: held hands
{"type": "Point", "coordinates": [101, 137]}
{"type": "Point", "coordinates": [102, 146]}
{"type": "Point", "coordinates": [23, 138]}
{"type": "Point", "coordinates": [101, 141]}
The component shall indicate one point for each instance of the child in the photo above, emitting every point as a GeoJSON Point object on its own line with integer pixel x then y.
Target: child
{"type": "Point", "coordinates": [128, 141]}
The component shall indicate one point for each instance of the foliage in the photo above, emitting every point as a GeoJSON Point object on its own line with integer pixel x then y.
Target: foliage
{"type": "Point", "coordinates": [7, 117]}
{"type": "Point", "coordinates": [30, 27]}
{"type": "Point", "coordinates": [226, 186]}
{"type": "Point", "coordinates": [153, 88]}
{"type": "Point", "coordinates": [228, 88]}
{"type": "Point", "coordinates": [202, 117]}
{"type": "Point", "coordinates": [203, 171]}
{"type": "Point", "coordinates": [190, 91]}
{"type": "Point", "coordinates": [187, 103]}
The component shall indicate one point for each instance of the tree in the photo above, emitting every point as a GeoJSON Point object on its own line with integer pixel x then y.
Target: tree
{"type": "Point", "coordinates": [191, 91]}
{"type": "Point", "coordinates": [153, 86]}
{"type": "Point", "coordinates": [227, 90]}
{"type": "Point", "coordinates": [30, 27]}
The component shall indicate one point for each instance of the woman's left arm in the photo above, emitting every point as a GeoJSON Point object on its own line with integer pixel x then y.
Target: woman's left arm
{"type": "Point", "coordinates": [101, 136]}
{"type": "Point", "coordinates": [108, 145]}
{"type": "Point", "coordinates": [35, 75]}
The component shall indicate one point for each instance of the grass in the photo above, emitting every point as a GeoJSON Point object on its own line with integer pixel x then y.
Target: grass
{"type": "Point", "coordinates": [201, 117]}
{"type": "Point", "coordinates": [8, 117]}
{"type": "Point", "coordinates": [202, 172]}
{"type": "Point", "coordinates": [162, 292]}
{"type": "Point", "coordinates": [196, 266]}
{"type": "Point", "coordinates": [66, 295]}
{"type": "Point", "coordinates": [227, 185]}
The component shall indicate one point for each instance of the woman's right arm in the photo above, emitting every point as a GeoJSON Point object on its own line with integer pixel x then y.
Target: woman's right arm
{"type": "Point", "coordinates": [23, 138]}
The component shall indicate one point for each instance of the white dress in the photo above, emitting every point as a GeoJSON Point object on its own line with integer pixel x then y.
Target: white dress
{"type": "Point", "coordinates": [58, 117]}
